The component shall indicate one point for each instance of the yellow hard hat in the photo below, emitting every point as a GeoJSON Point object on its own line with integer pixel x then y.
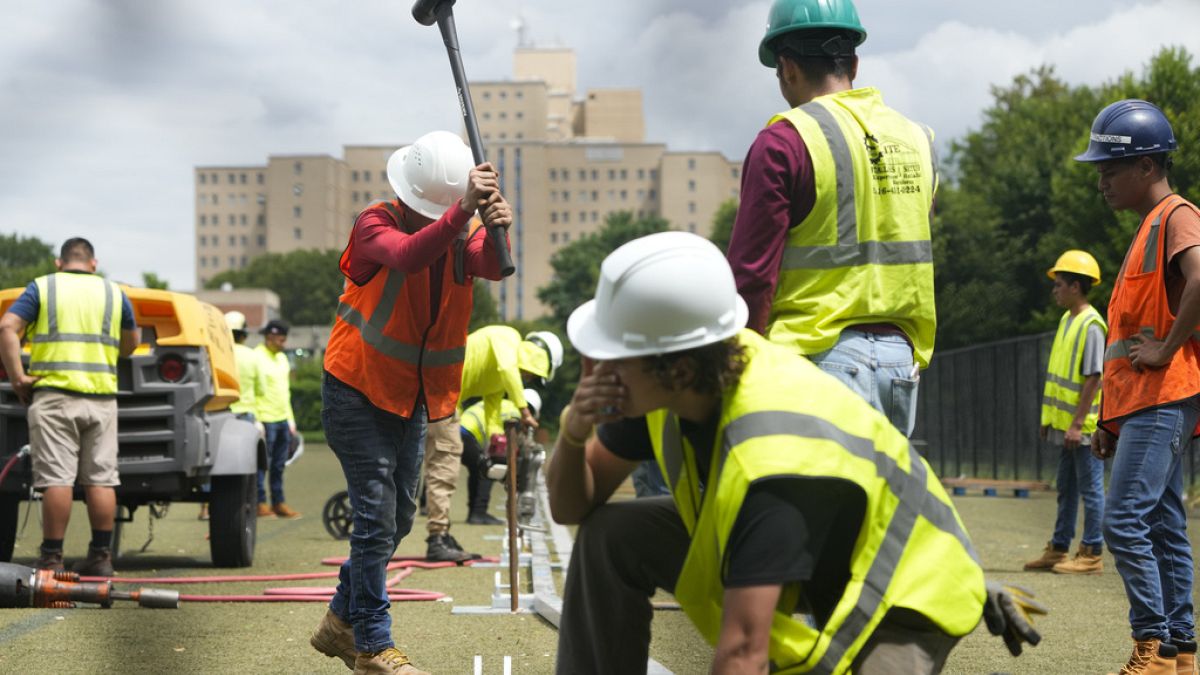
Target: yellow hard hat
{"type": "Point", "coordinates": [1076, 262]}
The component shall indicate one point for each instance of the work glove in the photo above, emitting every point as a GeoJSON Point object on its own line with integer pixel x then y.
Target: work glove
{"type": "Point", "coordinates": [1008, 613]}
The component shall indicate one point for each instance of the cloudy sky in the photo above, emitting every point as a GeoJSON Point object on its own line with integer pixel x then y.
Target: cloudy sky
{"type": "Point", "coordinates": [105, 106]}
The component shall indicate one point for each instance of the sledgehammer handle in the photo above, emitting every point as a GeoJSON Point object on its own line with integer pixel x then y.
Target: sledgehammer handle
{"type": "Point", "coordinates": [445, 22]}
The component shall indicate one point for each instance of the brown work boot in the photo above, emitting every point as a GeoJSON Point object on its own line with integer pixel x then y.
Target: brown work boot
{"type": "Point", "coordinates": [335, 638]}
{"type": "Point", "coordinates": [98, 563]}
{"type": "Point", "coordinates": [264, 510]}
{"type": "Point", "coordinates": [1051, 556]}
{"type": "Point", "coordinates": [203, 511]}
{"type": "Point", "coordinates": [390, 661]}
{"type": "Point", "coordinates": [1185, 662]}
{"type": "Point", "coordinates": [1087, 560]}
{"type": "Point", "coordinates": [49, 560]}
{"type": "Point", "coordinates": [286, 512]}
{"type": "Point", "coordinates": [1150, 657]}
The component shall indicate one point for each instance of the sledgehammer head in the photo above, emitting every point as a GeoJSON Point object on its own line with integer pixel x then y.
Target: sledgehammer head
{"type": "Point", "coordinates": [425, 11]}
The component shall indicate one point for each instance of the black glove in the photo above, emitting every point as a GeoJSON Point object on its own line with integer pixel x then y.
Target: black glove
{"type": "Point", "coordinates": [1008, 613]}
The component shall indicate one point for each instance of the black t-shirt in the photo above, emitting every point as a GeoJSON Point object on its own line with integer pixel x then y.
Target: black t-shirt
{"type": "Point", "coordinates": [789, 530]}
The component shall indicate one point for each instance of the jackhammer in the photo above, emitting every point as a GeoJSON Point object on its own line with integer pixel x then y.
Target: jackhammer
{"type": "Point", "coordinates": [22, 586]}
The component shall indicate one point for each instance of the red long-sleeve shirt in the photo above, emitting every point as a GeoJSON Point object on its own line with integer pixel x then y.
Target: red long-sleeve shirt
{"type": "Point", "coordinates": [778, 191]}
{"type": "Point", "coordinates": [377, 241]}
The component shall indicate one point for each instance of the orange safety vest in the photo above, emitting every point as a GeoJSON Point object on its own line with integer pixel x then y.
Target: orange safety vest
{"type": "Point", "coordinates": [1139, 305]}
{"type": "Point", "coordinates": [395, 343]}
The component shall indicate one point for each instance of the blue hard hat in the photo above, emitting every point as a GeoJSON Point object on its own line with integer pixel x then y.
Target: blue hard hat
{"type": "Point", "coordinates": [1128, 128]}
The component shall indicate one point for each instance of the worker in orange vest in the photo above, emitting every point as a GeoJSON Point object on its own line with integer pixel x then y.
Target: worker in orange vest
{"type": "Point", "coordinates": [393, 363]}
{"type": "Point", "coordinates": [1149, 411]}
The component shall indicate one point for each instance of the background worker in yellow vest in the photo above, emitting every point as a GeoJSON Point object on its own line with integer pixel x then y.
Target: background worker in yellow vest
{"type": "Point", "coordinates": [1070, 407]}
{"type": "Point", "coordinates": [498, 363]}
{"type": "Point", "coordinates": [478, 442]}
{"type": "Point", "coordinates": [830, 247]}
{"type": "Point", "coordinates": [273, 408]}
{"type": "Point", "coordinates": [79, 323]}
{"type": "Point", "coordinates": [790, 493]}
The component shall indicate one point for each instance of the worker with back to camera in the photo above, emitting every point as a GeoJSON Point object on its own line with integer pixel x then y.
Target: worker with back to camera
{"type": "Point", "coordinates": [498, 363]}
{"type": "Point", "coordinates": [273, 408]}
{"type": "Point", "coordinates": [79, 324]}
{"type": "Point", "coordinates": [1070, 409]}
{"type": "Point", "coordinates": [831, 243]}
{"type": "Point", "coordinates": [479, 444]}
{"type": "Point", "coordinates": [1150, 410]}
{"type": "Point", "coordinates": [394, 360]}
{"type": "Point", "coordinates": [789, 493]}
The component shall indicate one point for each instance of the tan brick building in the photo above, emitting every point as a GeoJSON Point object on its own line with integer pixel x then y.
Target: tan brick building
{"type": "Point", "coordinates": [566, 162]}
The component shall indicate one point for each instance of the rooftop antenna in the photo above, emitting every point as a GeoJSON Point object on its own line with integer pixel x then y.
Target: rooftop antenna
{"type": "Point", "coordinates": [518, 24]}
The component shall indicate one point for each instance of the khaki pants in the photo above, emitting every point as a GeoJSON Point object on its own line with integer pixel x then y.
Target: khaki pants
{"type": "Point", "coordinates": [443, 455]}
{"type": "Point", "coordinates": [73, 439]}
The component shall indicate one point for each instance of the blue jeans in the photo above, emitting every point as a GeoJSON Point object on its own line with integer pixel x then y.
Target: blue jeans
{"type": "Point", "coordinates": [381, 456]}
{"type": "Point", "coordinates": [1145, 522]}
{"type": "Point", "coordinates": [278, 438]}
{"type": "Point", "coordinates": [648, 480]}
{"type": "Point", "coordinates": [1080, 474]}
{"type": "Point", "coordinates": [878, 368]}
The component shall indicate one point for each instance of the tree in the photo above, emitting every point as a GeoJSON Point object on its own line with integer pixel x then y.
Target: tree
{"type": "Point", "coordinates": [722, 224]}
{"type": "Point", "coordinates": [483, 309]}
{"type": "Point", "coordinates": [152, 280]}
{"type": "Point", "coordinates": [307, 281]}
{"type": "Point", "coordinates": [23, 259]}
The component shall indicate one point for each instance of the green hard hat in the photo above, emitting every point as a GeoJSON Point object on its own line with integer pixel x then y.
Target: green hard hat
{"type": "Point", "coordinates": [787, 16]}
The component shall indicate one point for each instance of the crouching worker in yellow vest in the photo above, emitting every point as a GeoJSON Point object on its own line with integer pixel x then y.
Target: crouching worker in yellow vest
{"type": "Point", "coordinates": [1070, 408]}
{"type": "Point", "coordinates": [790, 493]}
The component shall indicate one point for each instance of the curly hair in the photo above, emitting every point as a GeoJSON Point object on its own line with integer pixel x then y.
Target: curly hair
{"type": "Point", "coordinates": [715, 367]}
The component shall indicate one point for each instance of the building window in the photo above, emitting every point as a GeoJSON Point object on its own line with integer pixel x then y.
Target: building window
{"type": "Point", "coordinates": [213, 178]}
{"type": "Point", "coordinates": [203, 179]}
{"type": "Point", "coordinates": [553, 237]}
{"type": "Point", "coordinates": [653, 174]}
{"type": "Point", "coordinates": [691, 164]}
{"type": "Point", "coordinates": [298, 189]}
{"type": "Point", "coordinates": [216, 261]}
{"type": "Point", "coordinates": [232, 240]}
{"type": "Point", "coordinates": [624, 195]}
{"type": "Point", "coordinates": [244, 260]}
{"type": "Point", "coordinates": [487, 115]}
{"type": "Point", "coordinates": [624, 174]}
{"type": "Point", "coordinates": [553, 196]}
{"type": "Point", "coordinates": [296, 212]}
{"type": "Point", "coordinates": [595, 216]}
{"type": "Point", "coordinates": [245, 241]}
{"type": "Point", "coordinates": [553, 174]}
{"type": "Point", "coordinates": [691, 207]}
{"type": "Point", "coordinates": [354, 196]}
{"type": "Point", "coordinates": [242, 219]}
{"type": "Point", "coordinates": [641, 195]}
{"type": "Point", "coordinates": [691, 186]}
{"type": "Point", "coordinates": [260, 178]}
{"type": "Point", "coordinates": [503, 115]}
{"type": "Point", "coordinates": [297, 233]}
{"type": "Point", "coordinates": [692, 228]}
{"type": "Point", "coordinates": [566, 216]}
{"type": "Point", "coordinates": [232, 261]}
{"type": "Point", "coordinates": [554, 216]}
{"type": "Point", "coordinates": [653, 194]}
{"type": "Point", "coordinates": [641, 174]}
{"type": "Point", "coordinates": [503, 94]}
{"type": "Point", "coordinates": [366, 176]}
{"type": "Point", "coordinates": [261, 198]}
{"type": "Point", "coordinates": [232, 179]}
{"type": "Point", "coordinates": [232, 219]}
{"type": "Point", "coordinates": [583, 195]}
{"type": "Point", "coordinates": [262, 219]}
{"type": "Point", "coordinates": [520, 135]}
{"type": "Point", "coordinates": [242, 178]}
{"type": "Point", "coordinates": [583, 216]}
{"type": "Point", "coordinates": [566, 237]}
{"type": "Point", "coordinates": [582, 174]}
{"type": "Point", "coordinates": [203, 240]}
{"type": "Point", "coordinates": [298, 168]}
{"type": "Point", "coordinates": [262, 240]}
{"type": "Point", "coordinates": [487, 95]}
{"type": "Point", "coordinates": [565, 174]}
{"type": "Point", "coordinates": [733, 173]}
{"type": "Point", "coordinates": [595, 195]}
{"type": "Point", "coordinates": [519, 94]}
{"type": "Point", "coordinates": [595, 175]}
{"type": "Point", "coordinates": [203, 219]}
{"type": "Point", "coordinates": [203, 262]}
{"type": "Point", "coordinates": [566, 195]}
{"type": "Point", "coordinates": [612, 174]}
{"type": "Point", "coordinates": [520, 115]}
{"type": "Point", "coordinates": [216, 199]}
{"type": "Point", "coordinates": [503, 135]}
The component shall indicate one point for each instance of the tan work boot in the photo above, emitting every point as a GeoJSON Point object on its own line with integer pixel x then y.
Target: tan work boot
{"type": "Point", "coordinates": [1051, 556]}
{"type": "Point", "coordinates": [286, 512]}
{"type": "Point", "coordinates": [335, 638]}
{"type": "Point", "coordinates": [1087, 560]}
{"type": "Point", "coordinates": [98, 563]}
{"type": "Point", "coordinates": [264, 510]}
{"type": "Point", "coordinates": [49, 560]}
{"type": "Point", "coordinates": [1150, 657]}
{"type": "Point", "coordinates": [390, 661]}
{"type": "Point", "coordinates": [1185, 662]}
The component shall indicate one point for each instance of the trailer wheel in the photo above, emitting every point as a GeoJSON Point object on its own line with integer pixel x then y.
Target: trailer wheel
{"type": "Point", "coordinates": [233, 521]}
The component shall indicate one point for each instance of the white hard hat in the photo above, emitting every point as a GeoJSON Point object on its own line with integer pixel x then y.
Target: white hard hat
{"type": "Point", "coordinates": [553, 346]}
{"type": "Point", "coordinates": [534, 401]}
{"type": "Point", "coordinates": [431, 174]}
{"type": "Point", "coordinates": [235, 320]}
{"type": "Point", "coordinates": [661, 293]}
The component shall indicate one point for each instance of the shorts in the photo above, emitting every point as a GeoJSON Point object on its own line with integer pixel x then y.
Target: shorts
{"type": "Point", "coordinates": [73, 439]}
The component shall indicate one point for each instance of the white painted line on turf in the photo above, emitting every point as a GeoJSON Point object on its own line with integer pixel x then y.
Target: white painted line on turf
{"type": "Point", "coordinates": [478, 665]}
{"type": "Point", "coordinates": [507, 665]}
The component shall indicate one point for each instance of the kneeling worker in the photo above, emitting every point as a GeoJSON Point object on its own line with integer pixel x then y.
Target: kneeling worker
{"type": "Point", "coordinates": [816, 502]}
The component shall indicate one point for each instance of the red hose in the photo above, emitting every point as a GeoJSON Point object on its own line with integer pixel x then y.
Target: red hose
{"type": "Point", "coordinates": [8, 466]}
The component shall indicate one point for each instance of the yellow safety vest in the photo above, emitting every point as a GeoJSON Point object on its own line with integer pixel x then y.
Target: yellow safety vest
{"type": "Point", "coordinates": [787, 418]}
{"type": "Point", "coordinates": [76, 338]}
{"type": "Point", "coordinates": [863, 254]}
{"type": "Point", "coordinates": [273, 403]}
{"type": "Point", "coordinates": [1064, 383]}
{"type": "Point", "coordinates": [249, 379]}
{"type": "Point", "coordinates": [472, 419]}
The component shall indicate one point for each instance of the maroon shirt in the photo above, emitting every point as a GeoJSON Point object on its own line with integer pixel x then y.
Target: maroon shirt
{"type": "Point", "coordinates": [778, 192]}
{"type": "Point", "coordinates": [377, 242]}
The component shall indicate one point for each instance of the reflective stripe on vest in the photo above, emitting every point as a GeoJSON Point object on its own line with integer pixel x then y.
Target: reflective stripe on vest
{"type": "Point", "coordinates": [875, 175]}
{"type": "Point", "coordinates": [67, 357]}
